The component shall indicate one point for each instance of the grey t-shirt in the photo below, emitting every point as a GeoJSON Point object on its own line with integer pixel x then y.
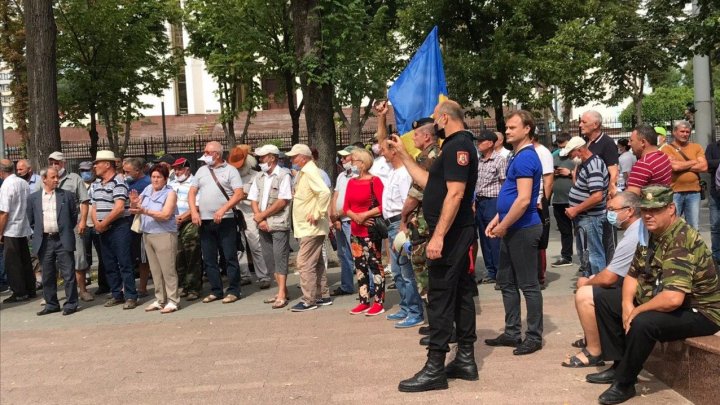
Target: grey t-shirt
{"type": "Point", "coordinates": [627, 160]}
{"type": "Point", "coordinates": [562, 185]}
{"type": "Point", "coordinates": [210, 197]}
{"type": "Point", "coordinates": [625, 249]}
{"type": "Point", "coordinates": [74, 184]}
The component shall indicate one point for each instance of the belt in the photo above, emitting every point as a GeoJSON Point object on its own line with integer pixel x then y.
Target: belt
{"type": "Point", "coordinates": [395, 218]}
{"type": "Point", "coordinates": [480, 198]}
{"type": "Point", "coordinates": [51, 235]}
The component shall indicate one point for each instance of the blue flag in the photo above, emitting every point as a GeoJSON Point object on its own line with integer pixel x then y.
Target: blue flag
{"type": "Point", "coordinates": [415, 93]}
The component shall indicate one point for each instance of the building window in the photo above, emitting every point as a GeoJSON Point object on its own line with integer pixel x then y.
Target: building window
{"type": "Point", "coordinates": [181, 100]}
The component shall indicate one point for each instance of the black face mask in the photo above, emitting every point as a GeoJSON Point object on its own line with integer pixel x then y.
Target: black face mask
{"type": "Point", "coordinates": [440, 133]}
{"type": "Point", "coordinates": [27, 176]}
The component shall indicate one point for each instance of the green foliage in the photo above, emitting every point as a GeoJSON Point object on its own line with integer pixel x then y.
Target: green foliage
{"type": "Point", "coordinates": [660, 107]}
{"type": "Point", "coordinates": [12, 53]}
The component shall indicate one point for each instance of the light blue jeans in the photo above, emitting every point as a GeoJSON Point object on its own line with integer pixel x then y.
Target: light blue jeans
{"type": "Point", "coordinates": [688, 205]}
{"type": "Point", "coordinates": [593, 226]}
{"type": "Point", "coordinates": [347, 266]}
{"type": "Point", "coordinates": [404, 277]}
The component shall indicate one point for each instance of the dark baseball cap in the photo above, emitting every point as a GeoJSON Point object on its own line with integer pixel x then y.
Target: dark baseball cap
{"type": "Point", "coordinates": [422, 121]}
{"type": "Point", "coordinates": [486, 135]}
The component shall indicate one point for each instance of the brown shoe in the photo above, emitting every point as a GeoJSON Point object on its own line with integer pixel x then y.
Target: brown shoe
{"type": "Point", "coordinates": [86, 296]}
{"type": "Point", "coordinates": [112, 302]}
{"type": "Point", "coordinates": [130, 304]}
{"type": "Point", "coordinates": [192, 296]}
{"type": "Point", "coordinates": [209, 298]}
{"type": "Point", "coordinates": [229, 299]}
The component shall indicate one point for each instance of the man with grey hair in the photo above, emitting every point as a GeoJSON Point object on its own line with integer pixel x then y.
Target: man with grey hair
{"type": "Point", "coordinates": [25, 171]}
{"type": "Point", "coordinates": [14, 230]}
{"type": "Point", "coordinates": [687, 159]}
{"type": "Point", "coordinates": [623, 212]}
{"type": "Point", "coordinates": [601, 144]}
{"type": "Point", "coordinates": [500, 145]}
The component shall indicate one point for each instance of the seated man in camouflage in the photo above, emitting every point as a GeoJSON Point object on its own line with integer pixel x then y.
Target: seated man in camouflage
{"type": "Point", "coordinates": [671, 292]}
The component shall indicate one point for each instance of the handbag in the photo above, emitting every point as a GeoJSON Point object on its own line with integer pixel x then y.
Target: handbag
{"type": "Point", "coordinates": [379, 229]}
{"type": "Point", "coordinates": [136, 224]}
{"type": "Point", "coordinates": [240, 224]}
{"type": "Point", "coordinates": [703, 184]}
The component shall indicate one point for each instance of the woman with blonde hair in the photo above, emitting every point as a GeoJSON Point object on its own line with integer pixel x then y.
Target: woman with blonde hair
{"type": "Point", "coordinates": [363, 200]}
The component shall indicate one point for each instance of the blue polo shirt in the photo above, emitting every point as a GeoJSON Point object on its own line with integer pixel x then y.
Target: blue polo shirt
{"type": "Point", "coordinates": [524, 164]}
{"type": "Point", "coordinates": [140, 184]}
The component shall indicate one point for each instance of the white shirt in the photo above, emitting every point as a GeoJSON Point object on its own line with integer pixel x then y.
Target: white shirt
{"type": "Point", "coordinates": [395, 192]}
{"type": "Point", "coordinates": [49, 210]}
{"type": "Point", "coordinates": [182, 190]}
{"type": "Point", "coordinates": [284, 191]}
{"type": "Point", "coordinates": [504, 152]}
{"type": "Point", "coordinates": [13, 200]}
{"type": "Point", "coordinates": [546, 160]}
{"type": "Point", "coordinates": [341, 187]}
{"type": "Point", "coordinates": [381, 168]}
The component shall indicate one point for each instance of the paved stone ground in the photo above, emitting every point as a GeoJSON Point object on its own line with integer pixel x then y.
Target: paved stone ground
{"type": "Point", "coordinates": [248, 353]}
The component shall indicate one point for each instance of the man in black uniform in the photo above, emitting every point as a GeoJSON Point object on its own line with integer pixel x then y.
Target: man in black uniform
{"type": "Point", "coordinates": [449, 251]}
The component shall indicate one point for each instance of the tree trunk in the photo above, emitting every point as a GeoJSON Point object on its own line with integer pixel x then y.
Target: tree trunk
{"type": "Point", "coordinates": [496, 98]}
{"type": "Point", "coordinates": [355, 128]}
{"type": "Point", "coordinates": [318, 96]}
{"type": "Point", "coordinates": [94, 138]}
{"type": "Point", "coordinates": [243, 136]}
{"type": "Point", "coordinates": [566, 115]}
{"type": "Point", "coordinates": [42, 82]}
{"type": "Point", "coordinates": [294, 110]}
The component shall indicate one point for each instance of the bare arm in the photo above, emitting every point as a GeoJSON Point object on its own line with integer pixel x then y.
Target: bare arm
{"type": "Point", "coordinates": [548, 180]}
{"type": "Point", "coordinates": [594, 199]}
{"type": "Point", "coordinates": [605, 278]}
{"type": "Point", "coordinates": [3, 223]}
{"type": "Point", "coordinates": [612, 189]}
{"type": "Point", "coordinates": [167, 210]}
{"type": "Point", "coordinates": [419, 175]}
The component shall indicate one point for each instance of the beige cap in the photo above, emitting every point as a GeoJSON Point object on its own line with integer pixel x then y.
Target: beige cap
{"type": "Point", "coordinates": [300, 149]}
{"type": "Point", "coordinates": [57, 156]}
{"type": "Point", "coordinates": [105, 155]}
{"type": "Point", "coordinates": [574, 143]}
{"type": "Point", "coordinates": [267, 149]}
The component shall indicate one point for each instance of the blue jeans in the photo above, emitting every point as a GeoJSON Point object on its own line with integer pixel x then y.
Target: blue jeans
{"type": "Point", "coordinates": [485, 211]}
{"type": "Point", "coordinates": [688, 205]}
{"type": "Point", "coordinates": [213, 236]}
{"type": "Point", "coordinates": [404, 277]}
{"type": "Point", "coordinates": [715, 225]}
{"type": "Point", "coordinates": [118, 262]}
{"type": "Point", "coordinates": [347, 266]}
{"type": "Point", "coordinates": [593, 226]}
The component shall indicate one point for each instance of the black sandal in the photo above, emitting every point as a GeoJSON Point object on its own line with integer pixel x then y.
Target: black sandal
{"type": "Point", "coordinates": [580, 343]}
{"type": "Point", "coordinates": [593, 361]}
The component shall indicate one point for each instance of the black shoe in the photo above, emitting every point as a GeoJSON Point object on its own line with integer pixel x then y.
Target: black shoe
{"type": "Point", "coordinates": [562, 263]}
{"type": "Point", "coordinates": [245, 281]}
{"type": "Point", "coordinates": [339, 291]}
{"type": "Point", "coordinates": [603, 377]}
{"type": "Point", "coordinates": [431, 377]}
{"type": "Point", "coordinates": [617, 394]}
{"type": "Point", "coordinates": [527, 347]}
{"type": "Point", "coordinates": [463, 365]}
{"type": "Point", "coordinates": [543, 285]}
{"type": "Point", "coordinates": [497, 287]}
{"type": "Point", "coordinates": [424, 330]}
{"type": "Point", "coordinates": [46, 311]}
{"type": "Point", "coordinates": [503, 340]}
{"type": "Point", "coordinates": [425, 340]}
{"type": "Point", "coordinates": [15, 298]}
{"type": "Point", "coordinates": [264, 284]}
{"type": "Point", "coordinates": [69, 311]}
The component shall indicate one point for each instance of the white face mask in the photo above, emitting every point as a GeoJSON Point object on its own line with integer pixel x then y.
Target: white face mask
{"type": "Point", "coordinates": [577, 161]}
{"type": "Point", "coordinates": [347, 166]}
{"type": "Point", "coordinates": [181, 178]}
{"type": "Point", "coordinates": [264, 167]}
{"type": "Point", "coordinates": [207, 159]}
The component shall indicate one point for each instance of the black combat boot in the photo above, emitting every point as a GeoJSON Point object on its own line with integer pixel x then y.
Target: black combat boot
{"type": "Point", "coordinates": [463, 365]}
{"type": "Point", "coordinates": [431, 377]}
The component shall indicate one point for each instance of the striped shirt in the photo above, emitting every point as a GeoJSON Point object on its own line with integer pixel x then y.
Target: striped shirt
{"type": "Point", "coordinates": [104, 196]}
{"type": "Point", "coordinates": [653, 168]}
{"type": "Point", "coordinates": [592, 176]}
{"type": "Point", "coordinates": [182, 190]}
{"type": "Point", "coordinates": [491, 172]}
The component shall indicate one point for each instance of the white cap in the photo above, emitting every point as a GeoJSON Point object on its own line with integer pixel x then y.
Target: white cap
{"type": "Point", "coordinates": [300, 149]}
{"type": "Point", "coordinates": [266, 149]}
{"type": "Point", "coordinates": [399, 241]}
{"type": "Point", "coordinates": [105, 155]}
{"type": "Point", "coordinates": [574, 143]}
{"type": "Point", "coordinates": [57, 156]}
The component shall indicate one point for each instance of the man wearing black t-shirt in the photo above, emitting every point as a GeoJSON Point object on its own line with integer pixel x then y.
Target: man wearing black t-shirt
{"type": "Point", "coordinates": [449, 251]}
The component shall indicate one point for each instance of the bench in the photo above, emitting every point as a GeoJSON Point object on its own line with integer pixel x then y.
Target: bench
{"type": "Point", "coordinates": [691, 367]}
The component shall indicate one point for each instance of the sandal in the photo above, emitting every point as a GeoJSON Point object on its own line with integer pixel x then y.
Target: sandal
{"type": "Point", "coordinates": [280, 304]}
{"type": "Point", "coordinates": [270, 300]}
{"type": "Point", "coordinates": [593, 361]}
{"type": "Point", "coordinates": [210, 298]}
{"type": "Point", "coordinates": [169, 308]}
{"type": "Point", "coordinates": [155, 306]}
{"type": "Point", "coordinates": [580, 343]}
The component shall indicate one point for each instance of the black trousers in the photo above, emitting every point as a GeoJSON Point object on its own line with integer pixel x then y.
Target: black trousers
{"type": "Point", "coordinates": [451, 291]}
{"type": "Point", "coordinates": [54, 258]}
{"type": "Point", "coordinates": [19, 267]}
{"type": "Point", "coordinates": [633, 349]}
{"type": "Point", "coordinates": [91, 238]}
{"type": "Point", "coordinates": [565, 226]}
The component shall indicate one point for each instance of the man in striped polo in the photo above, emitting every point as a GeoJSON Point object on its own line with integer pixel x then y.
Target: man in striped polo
{"type": "Point", "coordinates": [587, 198]}
{"type": "Point", "coordinates": [653, 166]}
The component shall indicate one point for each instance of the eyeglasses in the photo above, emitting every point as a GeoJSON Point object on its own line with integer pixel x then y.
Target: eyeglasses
{"type": "Point", "coordinates": [617, 209]}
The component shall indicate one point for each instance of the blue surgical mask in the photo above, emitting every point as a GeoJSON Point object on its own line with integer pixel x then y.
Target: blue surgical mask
{"type": "Point", "coordinates": [355, 171]}
{"type": "Point", "coordinates": [612, 218]}
{"type": "Point", "coordinates": [295, 167]}
{"type": "Point", "coordinates": [86, 176]}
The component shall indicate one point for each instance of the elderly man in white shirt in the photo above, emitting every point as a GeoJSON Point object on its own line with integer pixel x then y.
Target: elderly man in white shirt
{"type": "Point", "coordinates": [394, 194]}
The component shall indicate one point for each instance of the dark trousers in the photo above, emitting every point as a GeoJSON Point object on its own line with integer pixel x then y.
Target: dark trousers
{"type": "Point", "coordinates": [18, 266]}
{"type": "Point", "coordinates": [54, 258]}
{"type": "Point", "coordinates": [188, 258]}
{"type": "Point", "coordinates": [565, 226]}
{"type": "Point", "coordinates": [633, 348]}
{"type": "Point", "coordinates": [485, 211]}
{"type": "Point", "coordinates": [213, 237]}
{"type": "Point", "coordinates": [91, 238]}
{"type": "Point", "coordinates": [115, 250]}
{"type": "Point", "coordinates": [518, 272]}
{"type": "Point", "coordinates": [451, 291]}
{"type": "Point", "coordinates": [544, 239]}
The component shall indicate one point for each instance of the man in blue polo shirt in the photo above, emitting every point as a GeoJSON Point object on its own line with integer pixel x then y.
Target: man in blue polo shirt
{"type": "Point", "coordinates": [518, 224]}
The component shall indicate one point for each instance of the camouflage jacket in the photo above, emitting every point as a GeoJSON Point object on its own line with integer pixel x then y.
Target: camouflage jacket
{"type": "Point", "coordinates": [681, 262]}
{"type": "Point", "coordinates": [425, 159]}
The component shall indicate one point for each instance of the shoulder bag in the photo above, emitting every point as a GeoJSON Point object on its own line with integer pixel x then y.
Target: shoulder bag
{"type": "Point", "coordinates": [240, 225]}
{"type": "Point", "coordinates": [379, 229]}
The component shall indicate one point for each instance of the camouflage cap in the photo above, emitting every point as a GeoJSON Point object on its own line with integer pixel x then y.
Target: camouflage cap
{"type": "Point", "coordinates": [656, 196]}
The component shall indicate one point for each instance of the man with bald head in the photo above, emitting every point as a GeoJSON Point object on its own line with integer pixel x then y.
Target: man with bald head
{"type": "Point", "coordinates": [25, 171]}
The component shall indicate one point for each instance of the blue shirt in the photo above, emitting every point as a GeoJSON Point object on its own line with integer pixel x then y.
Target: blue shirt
{"type": "Point", "coordinates": [523, 164]}
{"type": "Point", "coordinates": [140, 184]}
{"type": "Point", "coordinates": [155, 200]}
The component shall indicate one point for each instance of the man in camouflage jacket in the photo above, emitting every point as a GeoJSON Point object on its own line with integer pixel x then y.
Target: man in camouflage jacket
{"type": "Point", "coordinates": [671, 292]}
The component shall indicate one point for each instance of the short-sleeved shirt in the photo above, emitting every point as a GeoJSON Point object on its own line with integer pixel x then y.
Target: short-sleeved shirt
{"type": "Point", "coordinates": [395, 192]}
{"type": "Point", "coordinates": [358, 200]}
{"type": "Point", "coordinates": [681, 262]}
{"type": "Point", "coordinates": [139, 184]}
{"type": "Point", "coordinates": [653, 168]}
{"type": "Point", "coordinates": [155, 200]}
{"type": "Point", "coordinates": [525, 163]}
{"type": "Point", "coordinates": [457, 162]}
{"type": "Point", "coordinates": [606, 149]}
{"type": "Point", "coordinates": [491, 173]}
{"type": "Point", "coordinates": [627, 160]}
{"type": "Point", "coordinates": [625, 249]}
{"type": "Point", "coordinates": [546, 161]}
{"type": "Point", "coordinates": [284, 187]}
{"type": "Point", "coordinates": [74, 184]}
{"type": "Point", "coordinates": [592, 176]}
{"type": "Point", "coordinates": [14, 194]}
{"type": "Point", "coordinates": [182, 189]}
{"type": "Point", "coordinates": [687, 180]}
{"type": "Point", "coordinates": [425, 160]}
{"type": "Point", "coordinates": [105, 194]}
{"type": "Point", "coordinates": [562, 184]}
{"type": "Point", "coordinates": [210, 197]}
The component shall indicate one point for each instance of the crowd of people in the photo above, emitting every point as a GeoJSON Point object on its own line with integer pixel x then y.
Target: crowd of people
{"type": "Point", "coordinates": [428, 213]}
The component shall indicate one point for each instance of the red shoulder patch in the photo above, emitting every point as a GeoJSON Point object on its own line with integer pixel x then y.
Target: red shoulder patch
{"type": "Point", "coordinates": [463, 158]}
